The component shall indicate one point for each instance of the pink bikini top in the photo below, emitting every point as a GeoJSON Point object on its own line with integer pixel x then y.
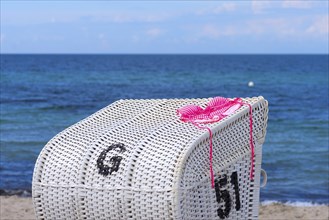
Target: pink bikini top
{"type": "Point", "coordinates": [217, 109]}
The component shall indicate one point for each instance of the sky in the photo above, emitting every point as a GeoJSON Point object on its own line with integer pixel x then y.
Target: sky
{"type": "Point", "coordinates": [162, 27]}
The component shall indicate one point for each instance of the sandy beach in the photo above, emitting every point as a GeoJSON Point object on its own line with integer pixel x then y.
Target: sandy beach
{"type": "Point", "coordinates": [13, 207]}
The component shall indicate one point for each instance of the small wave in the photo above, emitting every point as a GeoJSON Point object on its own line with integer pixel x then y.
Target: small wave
{"type": "Point", "coordinates": [18, 192]}
{"type": "Point", "coordinates": [292, 203]}
{"type": "Point", "coordinates": [26, 100]}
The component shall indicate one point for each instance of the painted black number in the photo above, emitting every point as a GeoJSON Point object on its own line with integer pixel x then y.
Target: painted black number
{"type": "Point", "coordinates": [223, 195]}
{"type": "Point", "coordinates": [234, 181]}
{"type": "Point", "coordinates": [115, 160]}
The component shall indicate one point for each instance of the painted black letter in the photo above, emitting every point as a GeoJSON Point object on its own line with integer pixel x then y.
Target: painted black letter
{"type": "Point", "coordinates": [105, 169]}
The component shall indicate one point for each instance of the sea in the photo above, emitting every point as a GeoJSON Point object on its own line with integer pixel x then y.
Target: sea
{"type": "Point", "coordinates": [43, 94]}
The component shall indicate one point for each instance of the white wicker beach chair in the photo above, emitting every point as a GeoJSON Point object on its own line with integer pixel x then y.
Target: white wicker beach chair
{"type": "Point", "coordinates": [135, 159]}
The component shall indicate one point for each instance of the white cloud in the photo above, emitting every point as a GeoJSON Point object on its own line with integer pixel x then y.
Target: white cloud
{"type": "Point", "coordinates": [214, 32]}
{"type": "Point", "coordinates": [154, 32]}
{"type": "Point", "coordinates": [319, 26]}
{"type": "Point", "coordinates": [279, 27]}
{"type": "Point", "coordinates": [210, 31]}
{"type": "Point", "coordinates": [260, 6]}
{"type": "Point", "coordinates": [274, 27]}
{"type": "Point", "coordinates": [225, 7]}
{"type": "Point", "coordinates": [289, 27]}
{"type": "Point", "coordinates": [296, 4]}
{"type": "Point", "coordinates": [132, 17]}
{"type": "Point", "coordinates": [284, 27]}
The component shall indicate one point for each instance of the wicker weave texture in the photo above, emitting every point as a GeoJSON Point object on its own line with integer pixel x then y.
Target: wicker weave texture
{"type": "Point", "coordinates": [135, 159]}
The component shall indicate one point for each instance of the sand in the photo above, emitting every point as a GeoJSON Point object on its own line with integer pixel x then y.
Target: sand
{"type": "Point", "coordinates": [13, 207]}
{"type": "Point", "coordinates": [280, 212]}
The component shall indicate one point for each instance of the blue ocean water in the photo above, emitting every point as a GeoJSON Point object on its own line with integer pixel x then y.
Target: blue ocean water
{"type": "Point", "coordinates": [43, 94]}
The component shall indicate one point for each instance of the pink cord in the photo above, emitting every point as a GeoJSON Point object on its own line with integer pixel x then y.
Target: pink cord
{"type": "Point", "coordinates": [251, 143]}
{"type": "Point", "coordinates": [217, 109]}
{"type": "Point", "coordinates": [210, 153]}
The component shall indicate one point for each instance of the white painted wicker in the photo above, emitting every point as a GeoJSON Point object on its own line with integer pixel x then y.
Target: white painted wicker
{"type": "Point", "coordinates": [162, 165]}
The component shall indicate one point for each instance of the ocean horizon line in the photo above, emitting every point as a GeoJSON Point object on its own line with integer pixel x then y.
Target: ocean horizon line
{"type": "Point", "coordinates": [176, 54]}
